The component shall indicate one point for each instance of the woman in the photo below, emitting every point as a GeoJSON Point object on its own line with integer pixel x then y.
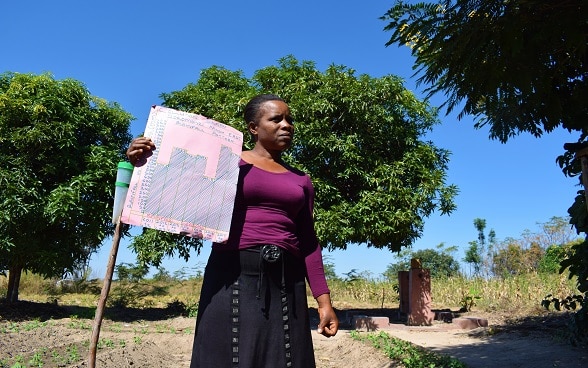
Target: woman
{"type": "Point", "coordinates": [253, 310]}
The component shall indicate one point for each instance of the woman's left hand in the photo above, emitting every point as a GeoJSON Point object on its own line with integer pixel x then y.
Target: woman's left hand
{"type": "Point", "coordinates": [328, 321]}
{"type": "Point", "coordinates": [139, 150]}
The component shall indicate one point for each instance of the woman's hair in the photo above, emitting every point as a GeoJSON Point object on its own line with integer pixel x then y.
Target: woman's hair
{"type": "Point", "coordinates": [252, 108]}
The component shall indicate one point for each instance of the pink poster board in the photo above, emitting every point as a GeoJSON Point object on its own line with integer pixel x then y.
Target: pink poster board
{"type": "Point", "coordinates": [188, 185]}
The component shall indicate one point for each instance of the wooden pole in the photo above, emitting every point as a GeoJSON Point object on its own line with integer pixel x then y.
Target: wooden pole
{"type": "Point", "coordinates": [104, 295]}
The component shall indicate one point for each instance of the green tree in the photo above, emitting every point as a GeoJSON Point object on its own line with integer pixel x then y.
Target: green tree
{"type": "Point", "coordinates": [508, 260]}
{"type": "Point", "coordinates": [440, 262]}
{"type": "Point", "coordinates": [360, 139]}
{"type": "Point", "coordinates": [556, 231]}
{"type": "Point", "coordinates": [481, 251]}
{"type": "Point", "coordinates": [555, 241]}
{"type": "Point", "coordinates": [551, 260]}
{"type": "Point", "coordinates": [151, 246]}
{"type": "Point", "coordinates": [540, 251]}
{"type": "Point", "coordinates": [130, 272]}
{"type": "Point", "coordinates": [517, 66]}
{"type": "Point", "coordinates": [473, 257]}
{"type": "Point", "coordinates": [514, 258]}
{"type": "Point", "coordinates": [59, 147]}
{"type": "Point", "coordinates": [330, 268]}
{"type": "Point", "coordinates": [514, 64]}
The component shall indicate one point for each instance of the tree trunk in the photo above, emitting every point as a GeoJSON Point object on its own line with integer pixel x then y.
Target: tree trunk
{"type": "Point", "coordinates": [13, 283]}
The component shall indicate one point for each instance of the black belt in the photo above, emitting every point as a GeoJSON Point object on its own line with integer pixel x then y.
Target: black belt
{"type": "Point", "coordinates": [269, 253]}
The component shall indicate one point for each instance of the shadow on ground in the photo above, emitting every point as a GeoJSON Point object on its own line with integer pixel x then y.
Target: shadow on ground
{"type": "Point", "coordinates": [554, 325]}
{"type": "Point", "coordinates": [26, 310]}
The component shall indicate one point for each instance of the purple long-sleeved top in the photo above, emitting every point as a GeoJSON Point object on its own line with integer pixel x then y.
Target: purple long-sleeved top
{"type": "Point", "coordinates": [276, 208]}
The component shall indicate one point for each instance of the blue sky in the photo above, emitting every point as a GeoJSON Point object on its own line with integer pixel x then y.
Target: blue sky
{"type": "Point", "coordinates": [132, 51]}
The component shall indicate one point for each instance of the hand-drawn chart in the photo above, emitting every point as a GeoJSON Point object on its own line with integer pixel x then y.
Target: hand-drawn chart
{"type": "Point", "coordinates": [188, 186]}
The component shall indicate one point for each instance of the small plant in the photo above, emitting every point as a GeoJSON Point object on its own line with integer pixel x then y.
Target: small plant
{"type": "Point", "coordinates": [468, 301]}
{"type": "Point", "coordinates": [72, 354]}
{"type": "Point", "coordinates": [192, 309]}
{"type": "Point", "coordinates": [108, 343]}
{"type": "Point", "coordinates": [408, 354]}
{"type": "Point", "coordinates": [76, 323]}
{"type": "Point", "coordinates": [34, 324]}
{"type": "Point", "coordinates": [11, 327]}
{"type": "Point", "coordinates": [18, 362]}
{"type": "Point", "coordinates": [117, 327]}
{"type": "Point", "coordinates": [160, 328]}
{"type": "Point", "coordinates": [55, 357]}
{"type": "Point", "coordinates": [137, 340]}
{"type": "Point", "coordinates": [36, 360]}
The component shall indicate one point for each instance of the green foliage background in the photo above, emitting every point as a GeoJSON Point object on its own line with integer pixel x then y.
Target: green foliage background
{"type": "Point", "coordinates": [59, 148]}
{"type": "Point", "coordinates": [360, 139]}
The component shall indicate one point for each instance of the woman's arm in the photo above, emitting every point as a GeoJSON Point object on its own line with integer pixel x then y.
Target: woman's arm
{"type": "Point", "coordinates": [315, 271]}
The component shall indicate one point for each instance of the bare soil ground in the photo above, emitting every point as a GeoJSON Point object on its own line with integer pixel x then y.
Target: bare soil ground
{"type": "Point", "coordinates": [45, 335]}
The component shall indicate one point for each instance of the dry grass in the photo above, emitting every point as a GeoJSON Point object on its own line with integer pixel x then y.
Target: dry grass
{"type": "Point", "coordinates": [522, 293]}
{"type": "Point", "coordinates": [518, 293]}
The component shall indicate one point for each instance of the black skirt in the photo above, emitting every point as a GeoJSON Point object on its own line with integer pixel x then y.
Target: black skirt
{"type": "Point", "coordinates": [253, 313]}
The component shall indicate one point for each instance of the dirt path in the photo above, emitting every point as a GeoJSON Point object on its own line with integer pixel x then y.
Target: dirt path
{"type": "Point", "coordinates": [482, 348]}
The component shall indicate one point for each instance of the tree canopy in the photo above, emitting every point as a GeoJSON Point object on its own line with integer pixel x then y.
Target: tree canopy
{"type": "Point", "coordinates": [360, 139]}
{"type": "Point", "coordinates": [517, 65]}
{"type": "Point", "coordinates": [59, 147]}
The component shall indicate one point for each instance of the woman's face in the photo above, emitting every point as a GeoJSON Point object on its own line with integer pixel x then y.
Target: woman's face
{"type": "Point", "coordinates": [274, 129]}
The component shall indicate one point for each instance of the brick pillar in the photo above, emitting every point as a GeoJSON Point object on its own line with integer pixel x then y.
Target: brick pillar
{"type": "Point", "coordinates": [403, 291]}
{"type": "Point", "coordinates": [419, 305]}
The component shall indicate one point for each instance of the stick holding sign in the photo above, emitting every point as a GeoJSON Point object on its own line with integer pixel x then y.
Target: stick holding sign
{"type": "Point", "coordinates": [103, 296]}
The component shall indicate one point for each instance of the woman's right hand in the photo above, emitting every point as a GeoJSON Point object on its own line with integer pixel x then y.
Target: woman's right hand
{"type": "Point", "coordinates": [140, 149]}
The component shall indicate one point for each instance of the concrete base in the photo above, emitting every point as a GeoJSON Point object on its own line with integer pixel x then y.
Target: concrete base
{"type": "Point", "coordinates": [365, 323]}
{"type": "Point", "coordinates": [361, 322]}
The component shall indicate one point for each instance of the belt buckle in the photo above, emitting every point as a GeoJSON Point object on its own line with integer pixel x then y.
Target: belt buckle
{"type": "Point", "coordinates": [270, 253]}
